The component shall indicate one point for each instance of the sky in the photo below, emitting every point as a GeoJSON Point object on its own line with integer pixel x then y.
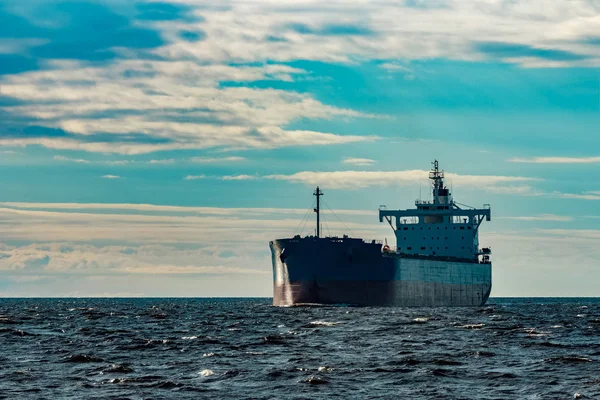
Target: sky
{"type": "Point", "coordinates": [155, 148]}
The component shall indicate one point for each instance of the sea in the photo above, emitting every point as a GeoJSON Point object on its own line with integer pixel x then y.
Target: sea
{"type": "Point", "coordinates": [245, 348]}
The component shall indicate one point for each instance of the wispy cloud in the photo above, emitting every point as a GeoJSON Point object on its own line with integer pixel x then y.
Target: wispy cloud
{"type": "Point", "coordinates": [573, 233]}
{"type": "Point", "coordinates": [395, 67]}
{"type": "Point", "coordinates": [362, 179]}
{"type": "Point", "coordinates": [556, 160]}
{"type": "Point", "coordinates": [153, 208]}
{"type": "Point", "coordinates": [194, 177]}
{"type": "Point", "coordinates": [75, 160]}
{"type": "Point", "coordinates": [239, 177]}
{"type": "Point", "coordinates": [111, 176]}
{"type": "Point", "coordinates": [214, 160]}
{"type": "Point", "coordinates": [358, 161]}
{"type": "Point", "coordinates": [163, 162]}
{"type": "Point", "coordinates": [579, 196]}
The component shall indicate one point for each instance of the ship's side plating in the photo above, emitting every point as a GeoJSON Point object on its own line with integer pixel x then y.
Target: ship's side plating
{"type": "Point", "coordinates": [349, 271]}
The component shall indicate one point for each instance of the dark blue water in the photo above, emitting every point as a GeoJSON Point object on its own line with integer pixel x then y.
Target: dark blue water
{"type": "Point", "coordinates": [245, 348]}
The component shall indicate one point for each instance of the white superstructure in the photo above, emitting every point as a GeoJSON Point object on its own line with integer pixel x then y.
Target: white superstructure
{"type": "Point", "coordinates": [439, 228]}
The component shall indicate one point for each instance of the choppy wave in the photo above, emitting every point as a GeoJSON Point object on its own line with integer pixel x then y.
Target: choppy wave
{"type": "Point", "coordinates": [229, 349]}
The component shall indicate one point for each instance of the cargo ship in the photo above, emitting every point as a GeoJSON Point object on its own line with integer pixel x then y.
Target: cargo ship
{"type": "Point", "coordinates": [437, 260]}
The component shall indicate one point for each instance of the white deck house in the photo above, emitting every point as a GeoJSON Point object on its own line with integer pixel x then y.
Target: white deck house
{"type": "Point", "coordinates": [440, 227]}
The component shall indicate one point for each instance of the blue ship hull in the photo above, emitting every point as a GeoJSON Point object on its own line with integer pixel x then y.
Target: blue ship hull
{"type": "Point", "coordinates": [351, 271]}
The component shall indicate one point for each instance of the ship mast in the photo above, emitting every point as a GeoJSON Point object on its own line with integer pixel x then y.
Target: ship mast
{"type": "Point", "coordinates": [441, 194]}
{"type": "Point", "coordinates": [318, 193]}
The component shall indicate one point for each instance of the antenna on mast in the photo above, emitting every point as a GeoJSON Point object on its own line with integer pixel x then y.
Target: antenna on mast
{"type": "Point", "coordinates": [318, 193]}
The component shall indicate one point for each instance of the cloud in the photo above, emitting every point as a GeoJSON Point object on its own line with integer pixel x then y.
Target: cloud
{"type": "Point", "coordinates": [214, 160]}
{"type": "Point", "coordinates": [100, 249]}
{"type": "Point", "coordinates": [153, 209]}
{"type": "Point", "coordinates": [358, 161]}
{"type": "Point", "coordinates": [592, 234]}
{"type": "Point", "coordinates": [194, 177]}
{"type": "Point", "coordinates": [362, 179]}
{"type": "Point", "coordinates": [153, 224]}
{"type": "Point", "coordinates": [239, 177]}
{"type": "Point", "coordinates": [556, 160]}
{"type": "Point", "coordinates": [387, 30]}
{"type": "Point", "coordinates": [89, 260]}
{"type": "Point", "coordinates": [164, 75]}
{"type": "Point", "coordinates": [392, 66]}
{"type": "Point", "coordinates": [540, 255]}
{"type": "Point", "coordinates": [111, 176]}
{"type": "Point", "coordinates": [162, 162]}
{"type": "Point", "coordinates": [144, 106]}
{"type": "Point", "coordinates": [75, 160]}
{"type": "Point", "coordinates": [594, 196]}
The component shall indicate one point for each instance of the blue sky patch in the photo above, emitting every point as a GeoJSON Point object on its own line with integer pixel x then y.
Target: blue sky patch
{"type": "Point", "coordinates": [514, 50]}
{"type": "Point", "coordinates": [331, 29]}
{"type": "Point", "coordinates": [161, 11]}
{"type": "Point", "coordinates": [192, 36]}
